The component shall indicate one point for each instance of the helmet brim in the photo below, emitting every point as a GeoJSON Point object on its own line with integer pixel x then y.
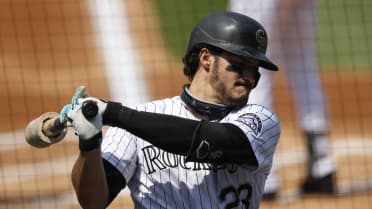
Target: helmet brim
{"type": "Point", "coordinates": [254, 54]}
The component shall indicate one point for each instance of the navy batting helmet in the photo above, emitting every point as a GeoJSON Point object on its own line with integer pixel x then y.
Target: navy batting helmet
{"type": "Point", "coordinates": [234, 33]}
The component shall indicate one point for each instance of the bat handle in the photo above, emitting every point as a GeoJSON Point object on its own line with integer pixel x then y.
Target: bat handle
{"type": "Point", "coordinates": [89, 109]}
{"type": "Point", "coordinates": [53, 127]}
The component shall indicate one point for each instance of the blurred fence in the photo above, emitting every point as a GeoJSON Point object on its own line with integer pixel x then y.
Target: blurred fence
{"type": "Point", "coordinates": [123, 50]}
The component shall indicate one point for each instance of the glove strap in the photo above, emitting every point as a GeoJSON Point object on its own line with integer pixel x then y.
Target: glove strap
{"type": "Point", "coordinates": [90, 144]}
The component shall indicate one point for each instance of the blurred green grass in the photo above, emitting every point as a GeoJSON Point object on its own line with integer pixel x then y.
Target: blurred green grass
{"type": "Point", "coordinates": [344, 30]}
{"type": "Point", "coordinates": [345, 34]}
{"type": "Point", "coordinates": [178, 17]}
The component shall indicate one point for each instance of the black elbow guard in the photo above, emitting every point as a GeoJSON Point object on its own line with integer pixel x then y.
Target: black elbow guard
{"type": "Point", "coordinates": [220, 143]}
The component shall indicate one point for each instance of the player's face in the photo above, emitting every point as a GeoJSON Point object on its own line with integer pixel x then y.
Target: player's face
{"type": "Point", "coordinates": [233, 78]}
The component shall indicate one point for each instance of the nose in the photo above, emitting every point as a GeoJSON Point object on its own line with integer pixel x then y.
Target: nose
{"type": "Point", "coordinates": [247, 75]}
{"type": "Point", "coordinates": [251, 77]}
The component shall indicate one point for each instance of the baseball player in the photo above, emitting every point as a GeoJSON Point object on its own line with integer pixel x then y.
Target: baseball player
{"type": "Point", "coordinates": [206, 148]}
{"type": "Point", "coordinates": [290, 26]}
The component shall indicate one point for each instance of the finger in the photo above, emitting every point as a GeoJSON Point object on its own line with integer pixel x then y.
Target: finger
{"type": "Point", "coordinates": [73, 112]}
{"type": "Point", "coordinates": [63, 114]}
{"type": "Point", "coordinates": [80, 92]}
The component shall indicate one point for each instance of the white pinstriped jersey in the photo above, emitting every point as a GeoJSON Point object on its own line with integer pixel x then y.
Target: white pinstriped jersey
{"type": "Point", "coordinates": [158, 179]}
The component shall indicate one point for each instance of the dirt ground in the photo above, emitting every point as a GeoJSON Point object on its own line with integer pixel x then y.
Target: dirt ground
{"type": "Point", "coordinates": [45, 53]}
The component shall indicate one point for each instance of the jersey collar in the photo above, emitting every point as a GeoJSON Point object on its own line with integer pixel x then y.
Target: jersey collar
{"type": "Point", "coordinates": [209, 111]}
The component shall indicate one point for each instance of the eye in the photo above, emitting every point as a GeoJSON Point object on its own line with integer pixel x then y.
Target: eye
{"type": "Point", "coordinates": [240, 68]}
{"type": "Point", "coordinates": [234, 68]}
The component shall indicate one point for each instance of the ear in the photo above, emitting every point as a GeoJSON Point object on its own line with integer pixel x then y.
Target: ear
{"type": "Point", "coordinates": [205, 57]}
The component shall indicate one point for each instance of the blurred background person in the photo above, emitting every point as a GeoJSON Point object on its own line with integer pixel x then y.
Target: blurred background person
{"type": "Point", "coordinates": [291, 27]}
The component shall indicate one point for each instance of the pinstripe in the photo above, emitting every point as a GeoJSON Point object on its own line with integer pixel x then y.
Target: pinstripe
{"type": "Point", "coordinates": [182, 199]}
{"type": "Point", "coordinates": [148, 109]}
{"type": "Point", "coordinates": [164, 190]}
{"type": "Point", "coordinates": [209, 193]}
{"type": "Point", "coordinates": [200, 196]}
{"type": "Point", "coordinates": [188, 192]}
{"type": "Point", "coordinates": [171, 189]}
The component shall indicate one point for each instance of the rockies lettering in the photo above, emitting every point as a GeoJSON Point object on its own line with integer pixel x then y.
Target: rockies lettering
{"type": "Point", "coordinates": [157, 159]}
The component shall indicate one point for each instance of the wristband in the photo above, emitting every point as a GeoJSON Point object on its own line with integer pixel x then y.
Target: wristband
{"type": "Point", "coordinates": [90, 144]}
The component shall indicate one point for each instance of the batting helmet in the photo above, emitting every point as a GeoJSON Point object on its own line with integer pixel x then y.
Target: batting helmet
{"type": "Point", "coordinates": [234, 33]}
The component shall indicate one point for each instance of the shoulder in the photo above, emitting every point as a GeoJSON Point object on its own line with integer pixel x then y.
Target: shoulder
{"type": "Point", "coordinates": [160, 105]}
{"type": "Point", "coordinates": [254, 109]}
{"type": "Point", "coordinates": [256, 118]}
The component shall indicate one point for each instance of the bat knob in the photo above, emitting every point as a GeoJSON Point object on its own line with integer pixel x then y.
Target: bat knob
{"type": "Point", "coordinates": [89, 109]}
{"type": "Point", "coordinates": [45, 130]}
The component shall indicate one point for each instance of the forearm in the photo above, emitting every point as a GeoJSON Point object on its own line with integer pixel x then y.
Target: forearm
{"type": "Point", "coordinates": [184, 136]}
{"type": "Point", "coordinates": [89, 181]}
{"type": "Point", "coordinates": [170, 133]}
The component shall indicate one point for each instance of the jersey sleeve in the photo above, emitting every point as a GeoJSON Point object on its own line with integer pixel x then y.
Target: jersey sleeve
{"type": "Point", "coordinates": [120, 149]}
{"type": "Point", "coordinates": [262, 128]}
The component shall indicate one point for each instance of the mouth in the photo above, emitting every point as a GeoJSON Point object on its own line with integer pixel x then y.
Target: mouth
{"type": "Point", "coordinates": [244, 84]}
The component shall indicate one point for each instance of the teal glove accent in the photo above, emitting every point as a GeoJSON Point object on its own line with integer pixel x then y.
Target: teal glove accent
{"type": "Point", "coordinates": [79, 93]}
{"type": "Point", "coordinates": [63, 114]}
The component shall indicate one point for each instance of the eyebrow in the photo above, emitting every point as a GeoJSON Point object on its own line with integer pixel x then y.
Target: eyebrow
{"type": "Point", "coordinates": [241, 61]}
{"type": "Point", "coordinates": [244, 62]}
{"type": "Point", "coordinates": [252, 61]}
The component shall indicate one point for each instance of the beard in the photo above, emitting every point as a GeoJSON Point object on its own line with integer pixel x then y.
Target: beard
{"type": "Point", "coordinates": [225, 95]}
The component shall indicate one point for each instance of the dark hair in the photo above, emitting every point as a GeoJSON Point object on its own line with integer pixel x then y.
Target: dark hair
{"type": "Point", "coordinates": [191, 60]}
